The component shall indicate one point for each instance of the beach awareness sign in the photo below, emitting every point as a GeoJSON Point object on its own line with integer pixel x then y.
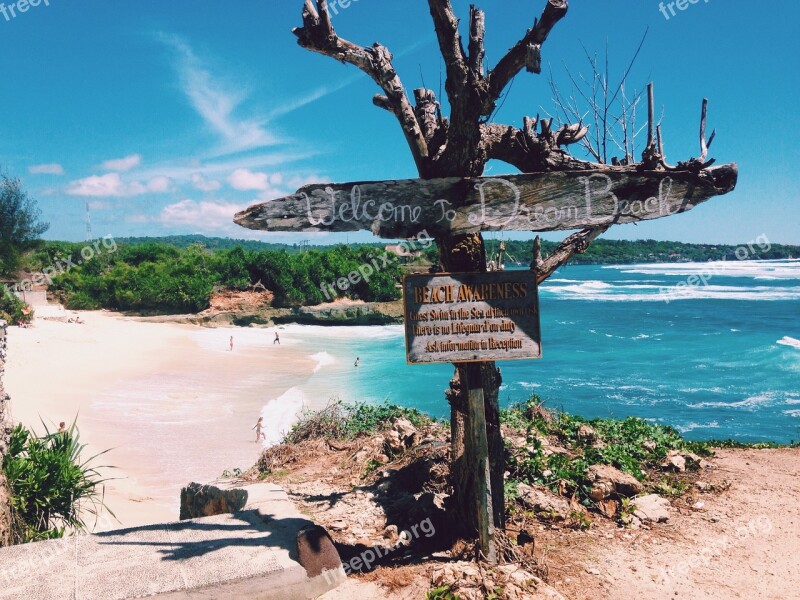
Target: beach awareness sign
{"type": "Point", "coordinates": [471, 317]}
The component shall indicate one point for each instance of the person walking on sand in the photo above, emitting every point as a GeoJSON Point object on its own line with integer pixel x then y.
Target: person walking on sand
{"type": "Point", "coordinates": [259, 426]}
{"type": "Point", "coordinates": [231, 343]}
{"type": "Point", "coordinates": [277, 339]}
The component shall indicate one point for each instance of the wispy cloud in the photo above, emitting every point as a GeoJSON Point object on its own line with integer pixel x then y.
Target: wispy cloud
{"type": "Point", "coordinates": [217, 101]}
{"type": "Point", "coordinates": [202, 216]}
{"type": "Point", "coordinates": [122, 164]}
{"type": "Point", "coordinates": [46, 169]}
{"type": "Point", "coordinates": [111, 185]}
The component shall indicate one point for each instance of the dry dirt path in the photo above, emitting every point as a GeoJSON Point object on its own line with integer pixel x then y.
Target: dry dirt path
{"type": "Point", "coordinates": [743, 543]}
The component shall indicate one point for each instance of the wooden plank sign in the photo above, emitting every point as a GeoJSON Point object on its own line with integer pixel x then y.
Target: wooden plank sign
{"type": "Point", "coordinates": [562, 200]}
{"type": "Point", "coordinates": [471, 317]}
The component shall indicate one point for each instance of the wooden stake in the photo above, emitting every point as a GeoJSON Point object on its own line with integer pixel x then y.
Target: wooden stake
{"type": "Point", "coordinates": [650, 114]}
{"type": "Point", "coordinates": [477, 448]}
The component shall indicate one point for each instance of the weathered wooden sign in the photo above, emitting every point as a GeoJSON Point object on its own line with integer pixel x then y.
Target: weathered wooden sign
{"type": "Point", "coordinates": [528, 202]}
{"type": "Point", "coordinates": [471, 317]}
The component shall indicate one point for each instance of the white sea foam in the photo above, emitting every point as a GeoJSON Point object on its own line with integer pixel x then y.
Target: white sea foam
{"type": "Point", "coordinates": [792, 413]}
{"type": "Point", "coordinates": [281, 413]}
{"type": "Point", "coordinates": [529, 386]}
{"type": "Point", "coordinates": [323, 359]}
{"type": "Point", "coordinates": [750, 402]}
{"type": "Point", "coordinates": [692, 426]}
{"type": "Point", "coordinates": [604, 292]}
{"type": "Point", "coordinates": [789, 341]}
{"type": "Point", "coordinates": [755, 269]}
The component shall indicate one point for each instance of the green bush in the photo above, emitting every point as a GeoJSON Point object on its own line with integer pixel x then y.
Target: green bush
{"type": "Point", "coordinates": [52, 489]}
{"type": "Point", "coordinates": [12, 309]}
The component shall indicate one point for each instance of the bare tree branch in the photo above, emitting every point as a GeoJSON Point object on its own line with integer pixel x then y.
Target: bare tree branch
{"type": "Point", "coordinates": [513, 62]}
{"type": "Point", "coordinates": [531, 152]}
{"type": "Point", "coordinates": [577, 243]}
{"type": "Point", "coordinates": [318, 35]}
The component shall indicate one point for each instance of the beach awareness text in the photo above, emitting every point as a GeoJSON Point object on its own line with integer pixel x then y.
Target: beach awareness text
{"type": "Point", "coordinates": [11, 11]}
{"type": "Point", "coordinates": [595, 188]}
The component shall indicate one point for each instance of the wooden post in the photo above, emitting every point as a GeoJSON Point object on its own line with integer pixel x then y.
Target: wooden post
{"type": "Point", "coordinates": [477, 451]}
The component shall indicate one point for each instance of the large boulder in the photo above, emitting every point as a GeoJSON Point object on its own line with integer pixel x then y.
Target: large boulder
{"type": "Point", "coordinates": [206, 501]}
{"type": "Point", "coordinates": [651, 508]}
{"type": "Point", "coordinates": [542, 503]}
{"type": "Point", "coordinates": [608, 482]}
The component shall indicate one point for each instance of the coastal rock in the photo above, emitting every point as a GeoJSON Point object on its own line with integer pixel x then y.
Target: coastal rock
{"type": "Point", "coordinates": [586, 434]}
{"type": "Point", "coordinates": [401, 436]}
{"type": "Point", "coordinates": [542, 502]}
{"type": "Point", "coordinates": [652, 508]}
{"type": "Point", "coordinates": [315, 551]}
{"type": "Point", "coordinates": [674, 462]}
{"type": "Point", "coordinates": [468, 582]}
{"type": "Point", "coordinates": [206, 500]}
{"type": "Point", "coordinates": [606, 481]}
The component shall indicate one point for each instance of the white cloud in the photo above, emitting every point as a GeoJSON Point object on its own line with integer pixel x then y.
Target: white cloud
{"type": "Point", "coordinates": [217, 102]}
{"type": "Point", "coordinates": [202, 183]}
{"type": "Point", "coordinates": [245, 180]}
{"type": "Point", "coordinates": [122, 164]}
{"type": "Point", "coordinates": [46, 169]}
{"type": "Point", "coordinates": [112, 185]}
{"type": "Point", "coordinates": [201, 215]}
{"type": "Point", "coordinates": [159, 184]}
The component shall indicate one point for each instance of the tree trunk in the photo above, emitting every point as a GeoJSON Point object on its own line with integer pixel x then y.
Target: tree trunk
{"type": "Point", "coordinates": [462, 254]}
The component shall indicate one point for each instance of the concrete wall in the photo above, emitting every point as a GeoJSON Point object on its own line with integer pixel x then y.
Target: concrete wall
{"type": "Point", "coordinates": [32, 298]}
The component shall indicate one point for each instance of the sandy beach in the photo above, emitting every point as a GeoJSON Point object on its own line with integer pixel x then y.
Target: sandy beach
{"type": "Point", "coordinates": [173, 402]}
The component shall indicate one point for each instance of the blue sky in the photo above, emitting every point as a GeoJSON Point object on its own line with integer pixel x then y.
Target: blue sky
{"type": "Point", "coordinates": [167, 117]}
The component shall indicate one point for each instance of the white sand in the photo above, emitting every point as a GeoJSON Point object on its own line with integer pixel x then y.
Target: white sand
{"type": "Point", "coordinates": [174, 403]}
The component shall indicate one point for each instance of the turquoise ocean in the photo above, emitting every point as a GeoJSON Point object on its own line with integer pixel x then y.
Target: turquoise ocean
{"type": "Point", "coordinates": [716, 357]}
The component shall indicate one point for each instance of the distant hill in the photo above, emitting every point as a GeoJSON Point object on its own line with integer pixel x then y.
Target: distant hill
{"type": "Point", "coordinates": [604, 252]}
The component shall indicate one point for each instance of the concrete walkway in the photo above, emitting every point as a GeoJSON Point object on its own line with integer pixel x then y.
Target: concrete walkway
{"type": "Point", "coordinates": [249, 554]}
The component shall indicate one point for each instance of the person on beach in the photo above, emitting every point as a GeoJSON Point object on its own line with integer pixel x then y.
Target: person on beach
{"type": "Point", "coordinates": [358, 361]}
{"type": "Point", "coordinates": [231, 343]}
{"type": "Point", "coordinates": [62, 427]}
{"type": "Point", "coordinates": [277, 339]}
{"type": "Point", "coordinates": [259, 426]}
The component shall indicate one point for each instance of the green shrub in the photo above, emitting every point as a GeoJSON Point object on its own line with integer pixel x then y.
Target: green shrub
{"type": "Point", "coordinates": [52, 489]}
{"type": "Point", "coordinates": [12, 309]}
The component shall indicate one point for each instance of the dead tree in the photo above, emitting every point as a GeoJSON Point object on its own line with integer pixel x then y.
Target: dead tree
{"type": "Point", "coordinates": [448, 149]}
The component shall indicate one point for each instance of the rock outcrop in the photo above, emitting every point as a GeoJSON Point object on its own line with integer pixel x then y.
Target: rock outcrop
{"type": "Point", "coordinates": [206, 501]}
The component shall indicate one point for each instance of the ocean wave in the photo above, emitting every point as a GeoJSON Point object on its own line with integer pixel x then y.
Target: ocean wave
{"type": "Point", "coordinates": [789, 341]}
{"type": "Point", "coordinates": [281, 414]}
{"type": "Point", "coordinates": [692, 426]}
{"type": "Point", "coordinates": [323, 359]}
{"type": "Point", "coordinates": [621, 293]}
{"type": "Point", "coordinates": [792, 413]}
{"type": "Point", "coordinates": [755, 269]}
{"type": "Point", "coordinates": [529, 386]}
{"type": "Point", "coordinates": [751, 402]}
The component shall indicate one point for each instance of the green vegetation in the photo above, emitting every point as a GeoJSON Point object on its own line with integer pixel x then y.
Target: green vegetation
{"type": "Point", "coordinates": [12, 309]}
{"type": "Point", "coordinates": [342, 421]}
{"type": "Point", "coordinates": [52, 490]}
{"type": "Point", "coordinates": [20, 224]}
{"type": "Point", "coordinates": [632, 445]}
{"type": "Point", "coordinates": [615, 252]}
{"type": "Point", "coordinates": [164, 279]}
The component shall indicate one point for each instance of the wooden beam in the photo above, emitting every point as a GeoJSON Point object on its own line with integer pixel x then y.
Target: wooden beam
{"type": "Point", "coordinates": [477, 447]}
{"type": "Point", "coordinates": [554, 201]}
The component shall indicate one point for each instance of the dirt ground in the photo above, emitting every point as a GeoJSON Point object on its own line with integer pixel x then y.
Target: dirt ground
{"type": "Point", "coordinates": [741, 539]}
{"type": "Point", "coordinates": [743, 542]}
